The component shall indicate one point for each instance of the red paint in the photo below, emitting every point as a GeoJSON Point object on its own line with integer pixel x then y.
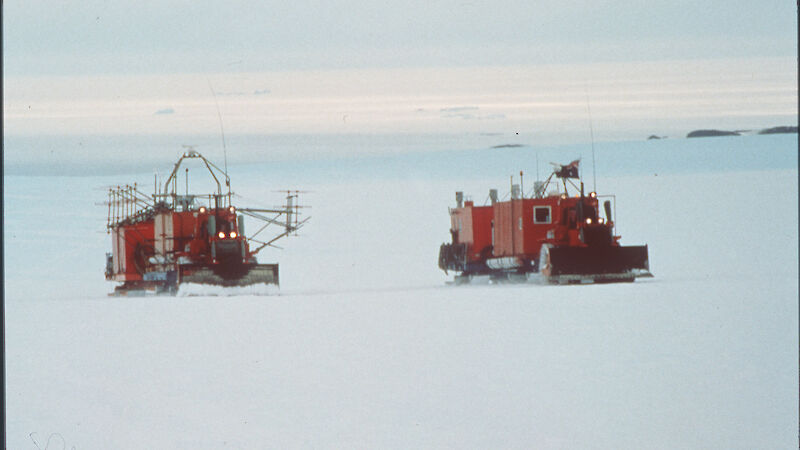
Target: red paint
{"type": "Point", "coordinates": [125, 241]}
{"type": "Point", "coordinates": [472, 225]}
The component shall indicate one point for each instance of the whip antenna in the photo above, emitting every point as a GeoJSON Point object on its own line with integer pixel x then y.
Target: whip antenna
{"type": "Point", "coordinates": [222, 133]}
{"type": "Point", "coordinates": [591, 136]}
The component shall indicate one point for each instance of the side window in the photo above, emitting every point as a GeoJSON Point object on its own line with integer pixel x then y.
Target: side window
{"type": "Point", "coordinates": [541, 214]}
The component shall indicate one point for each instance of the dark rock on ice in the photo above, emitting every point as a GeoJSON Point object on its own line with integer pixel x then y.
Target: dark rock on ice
{"type": "Point", "coordinates": [711, 133]}
{"type": "Point", "coordinates": [778, 130]}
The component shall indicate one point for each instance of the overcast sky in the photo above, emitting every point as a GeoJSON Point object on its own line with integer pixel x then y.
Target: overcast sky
{"type": "Point", "coordinates": [412, 66]}
{"type": "Point", "coordinates": [158, 36]}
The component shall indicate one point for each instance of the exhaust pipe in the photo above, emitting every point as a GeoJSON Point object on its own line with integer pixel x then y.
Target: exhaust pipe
{"type": "Point", "coordinates": [607, 206]}
{"type": "Point", "coordinates": [212, 225]}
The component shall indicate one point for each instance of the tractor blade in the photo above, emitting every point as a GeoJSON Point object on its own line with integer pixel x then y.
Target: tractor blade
{"type": "Point", "coordinates": [249, 274]}
{"type": "Point", "coordinates": [598, 264]}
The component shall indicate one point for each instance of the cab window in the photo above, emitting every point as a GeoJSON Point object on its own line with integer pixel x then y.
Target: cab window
{"type": "Point", "coordinates": [541, 214]}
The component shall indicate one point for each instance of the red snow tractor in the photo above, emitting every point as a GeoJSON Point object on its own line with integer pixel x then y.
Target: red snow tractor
{"type": "Point", "coordinates": [166, 239]}
{"type": "Point", "coordinates": [562, 237]}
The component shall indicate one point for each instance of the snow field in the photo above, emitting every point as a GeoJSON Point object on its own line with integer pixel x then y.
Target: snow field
{"type": "Point", "coordinates": [664, 365]}
{"type": "Point", "coordinates": [366, 347]}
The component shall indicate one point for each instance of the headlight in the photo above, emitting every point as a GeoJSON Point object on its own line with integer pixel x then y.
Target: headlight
{"type": "Point", "coordinates": [601, 221]}
{"type": "Point", "coordinates": [202, 209]}
{"type": "Point", "coordinates": [232, 209]}
{"type": "Point", "coordinates": [589, 221]}
{"type": "Point", "coordinates": [563, 196]}
{"type": "Point", "coordinates": [221, 235]}
{"type": "Point", "coordinates": [593, 194]}
{"type": "Point", "coordinates": [233, 235]}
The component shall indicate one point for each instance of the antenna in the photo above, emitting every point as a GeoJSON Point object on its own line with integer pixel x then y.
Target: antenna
{"type": "Point", "coordinates": [591, 135]}
{"type": "Point", "coordinates": [222, 133]}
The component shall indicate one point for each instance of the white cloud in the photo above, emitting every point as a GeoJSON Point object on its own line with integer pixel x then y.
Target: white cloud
{"type": "Point", "coordinates": [627, 100]}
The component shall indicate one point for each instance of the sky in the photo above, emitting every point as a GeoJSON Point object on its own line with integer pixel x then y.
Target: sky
{"type": "Point", "coordinates": [546, 69]}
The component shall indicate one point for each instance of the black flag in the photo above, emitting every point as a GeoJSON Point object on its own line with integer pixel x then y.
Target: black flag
{"type": "Point", "coordinates": [570, 170]}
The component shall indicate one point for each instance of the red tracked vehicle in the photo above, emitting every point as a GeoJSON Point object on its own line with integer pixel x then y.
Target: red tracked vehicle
{"type": "Point", "coordinates": [167, 239]}
{"type": "Point", "coordinates": [561, 237]}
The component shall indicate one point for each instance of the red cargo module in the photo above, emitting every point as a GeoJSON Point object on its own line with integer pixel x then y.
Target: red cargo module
{"type": "Point", "coordinates": [560, 236]}
{"type": "Point", "coordinates": [469, 224]}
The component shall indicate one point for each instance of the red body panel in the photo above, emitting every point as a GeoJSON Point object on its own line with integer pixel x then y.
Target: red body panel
{"type": "Point", "coordinates": [125, 241]}
{"type": "Point", "coordinates": [472, 226]}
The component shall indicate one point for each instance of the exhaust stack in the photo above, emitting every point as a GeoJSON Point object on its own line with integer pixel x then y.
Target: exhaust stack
{"type": "Point", "coordinates": [493, 195]}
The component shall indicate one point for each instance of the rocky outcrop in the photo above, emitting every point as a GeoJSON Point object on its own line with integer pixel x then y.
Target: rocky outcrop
{"type": "Point", "coordinates": [507, 146]}
{"type": "Point", "coordinates": [778, 130]}
{"type": "Point", "coordinates": [711, 133]}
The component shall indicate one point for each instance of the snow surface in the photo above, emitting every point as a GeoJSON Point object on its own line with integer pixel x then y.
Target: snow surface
{"type": "Point", "coordinates": [365, 346]}
{"type": "Point", "coordinates": [204, 290]}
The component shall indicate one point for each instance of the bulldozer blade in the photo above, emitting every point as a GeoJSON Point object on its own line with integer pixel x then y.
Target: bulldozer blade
{"type": "Point", "coordinates": [247, 275]}
{"type": "Point", "coordinates": [598, 264]}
